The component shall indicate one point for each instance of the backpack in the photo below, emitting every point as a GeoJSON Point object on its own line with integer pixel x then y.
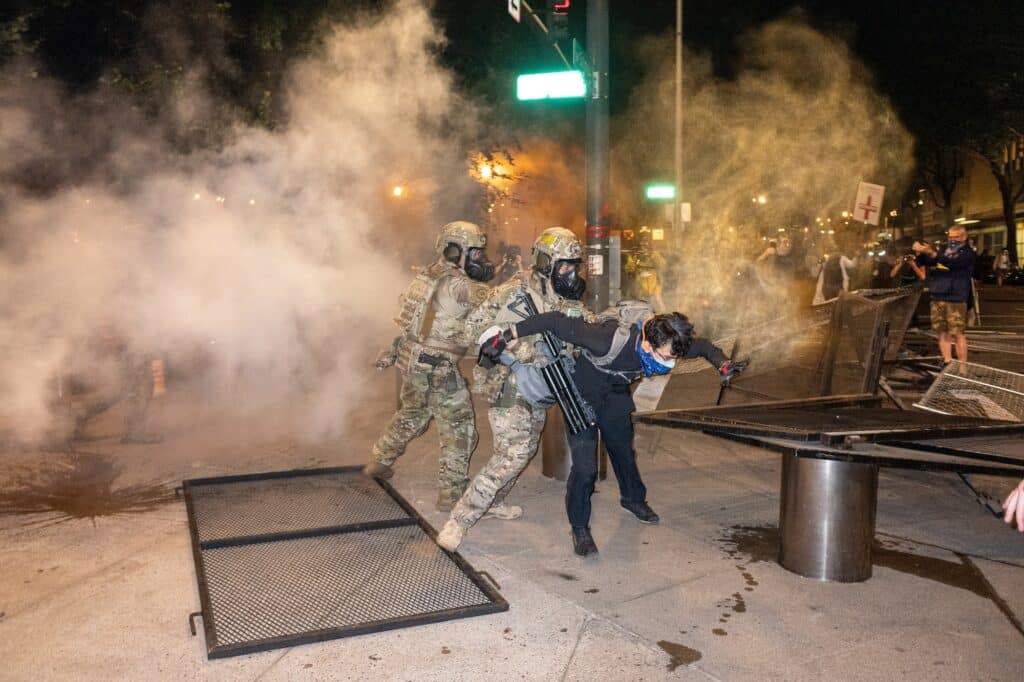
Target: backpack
{"type": "Point", "coordinates": [626, 313]}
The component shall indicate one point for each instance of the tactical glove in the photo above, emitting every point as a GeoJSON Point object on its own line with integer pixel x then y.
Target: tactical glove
{"type": "Point", "coordinates": [492, 344]}
{"type": "Point", "coordinates": [731, 368]}
{"type": "Point", "coordinates": [387, 356]}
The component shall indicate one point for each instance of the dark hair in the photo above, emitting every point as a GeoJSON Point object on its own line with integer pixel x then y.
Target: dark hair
{"type": "Point", "coordinates": [669, 327]}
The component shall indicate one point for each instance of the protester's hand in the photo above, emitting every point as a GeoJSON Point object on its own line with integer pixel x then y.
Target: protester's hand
{"type": "Point", "coordinates": [493, 343]}
{"type": "Point", "coordinates": [730, 368]}
{"type": "Point", "coordinates": [1014, 505]}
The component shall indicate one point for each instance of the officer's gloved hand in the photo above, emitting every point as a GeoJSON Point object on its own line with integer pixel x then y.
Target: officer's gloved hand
{"type": "Point", "coordinates": [492, 344]}
{"type": "Point", "coordinates": [386, 358]}
{"type": "Point", "coordinates": [730, 368]}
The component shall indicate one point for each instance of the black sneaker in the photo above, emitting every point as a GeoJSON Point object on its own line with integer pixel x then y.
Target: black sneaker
{"type": "Point", "coordinates": [583, 542]}
{"type": "Point", "coordinates": [642, 511]}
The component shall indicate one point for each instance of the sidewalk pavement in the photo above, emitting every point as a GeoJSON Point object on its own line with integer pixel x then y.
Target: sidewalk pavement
{"type": "Point", "coordinates": [102, 590]}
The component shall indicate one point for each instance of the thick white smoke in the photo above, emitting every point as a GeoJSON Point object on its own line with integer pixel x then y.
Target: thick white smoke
{"type": "Point", "coordinates": [273, 262]}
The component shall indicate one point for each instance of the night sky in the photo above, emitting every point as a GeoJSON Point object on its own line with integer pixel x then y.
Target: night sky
{"type": "Point", "coordinates": [940, 63]}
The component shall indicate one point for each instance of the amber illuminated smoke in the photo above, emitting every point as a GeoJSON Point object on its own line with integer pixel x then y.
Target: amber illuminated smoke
{"type": "Point", "coordinates": [798, 123]}
{"type": "Point", "coordinates": [267, 264]}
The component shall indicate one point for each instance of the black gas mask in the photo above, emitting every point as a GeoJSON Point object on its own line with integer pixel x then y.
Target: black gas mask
{"type": "Point", "coordinates": [477, 266]}
{"type": "Point", "coordinates": [566, 279]}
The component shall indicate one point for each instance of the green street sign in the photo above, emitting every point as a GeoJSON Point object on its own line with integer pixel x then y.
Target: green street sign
{"type": "Point", "coordinates": [661, 192]}
{"type": "Point", "coordinates": [554, 85]}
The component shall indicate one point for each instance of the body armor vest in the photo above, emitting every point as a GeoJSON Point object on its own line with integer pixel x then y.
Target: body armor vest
{"type": "Point", "coordinates": [417, 316]}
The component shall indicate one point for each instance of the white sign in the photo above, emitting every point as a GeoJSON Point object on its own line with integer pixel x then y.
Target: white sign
{"type": "Point", "coordinates": [657, 234]}
{"type": "Point", "coordinates": [595, 264]}
{"type": "Point", "coordinates": [868, 207]}
{"type": "Point", "coordinates": [684, 211]}
{"type": "Point", "coordinates": [513, 8]}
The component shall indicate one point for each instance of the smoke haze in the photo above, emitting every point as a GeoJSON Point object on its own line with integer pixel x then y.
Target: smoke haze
{"type": "Point", "coordinates": [800, 124]}
{"type": "Point", "coordinates": [273, 262]}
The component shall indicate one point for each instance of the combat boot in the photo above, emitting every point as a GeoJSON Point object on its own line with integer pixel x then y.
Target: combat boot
{"type": "Point", "coordinates": [450, 536]}
{"type": "Point", "coordinates": [505, 512]}
{"type": "Point", "coordinates": [378, 470]}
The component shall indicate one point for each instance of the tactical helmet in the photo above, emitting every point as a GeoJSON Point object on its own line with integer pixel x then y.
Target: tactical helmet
{"type": "Point", "coordinates": [555, 243]}
{"type": "Point", "coordinates": [462, 237]}
{"type": "Point", "coordinates": [464, 234]}
{"type": "Point", "coordinates": [554, 246]}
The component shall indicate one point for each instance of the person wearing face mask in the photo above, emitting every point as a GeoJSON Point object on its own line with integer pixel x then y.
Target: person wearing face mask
{"type": "Point", "coordinates": [432, 319]}
{"type": "Point", "coordinates": [552, 282]}
{"type": "Point", "coordinates": [949, 285]}
{"type": "Point", "coordinates": [614, 355]}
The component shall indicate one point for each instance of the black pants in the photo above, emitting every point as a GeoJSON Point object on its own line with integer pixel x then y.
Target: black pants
{"type": "Point", "coordinates": [613, 419]}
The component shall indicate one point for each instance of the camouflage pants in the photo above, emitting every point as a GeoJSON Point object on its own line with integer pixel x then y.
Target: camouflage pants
{"type": "Point", "coordinates": [441, 393]}
{"type": "Point", "coordinates": [516, 435]}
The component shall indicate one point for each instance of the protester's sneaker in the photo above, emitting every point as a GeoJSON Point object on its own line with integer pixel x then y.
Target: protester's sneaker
{"type": "Point", "coordinates": [582, 542]}
{"type": "Point", "coordinates": [505, 512]}
{"type": "Point", "coordinates": [450, 536]}
{"type": "Point", "coordinates": [642, 511]}
{"type": "Point", "coordinates": [378, 470]}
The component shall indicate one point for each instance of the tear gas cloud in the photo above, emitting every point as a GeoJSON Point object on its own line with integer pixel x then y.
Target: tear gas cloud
{"type": "Point", "coordinates": [273, 261]}
{"type": "Point", "coordinates": [800, 123]}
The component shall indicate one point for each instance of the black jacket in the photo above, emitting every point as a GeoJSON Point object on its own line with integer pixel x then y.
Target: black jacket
{"type": "Point", "coordinates": [949, 277]}
{"type": "Point", "coordinates": [594, 384]}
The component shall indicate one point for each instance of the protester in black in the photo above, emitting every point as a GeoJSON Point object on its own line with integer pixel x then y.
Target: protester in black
{"type": "Point", "coordinates": [651, 347]}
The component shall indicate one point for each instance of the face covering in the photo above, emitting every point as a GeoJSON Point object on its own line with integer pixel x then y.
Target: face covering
{"type": "Point", "coordinates": [570, 285]}
{"type": "Point", "coordinates": [478, 267]}
{"type": "Point", "coordinates": [651, 365]}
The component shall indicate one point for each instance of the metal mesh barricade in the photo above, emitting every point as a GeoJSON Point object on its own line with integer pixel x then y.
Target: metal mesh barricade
{"type": "Point", "coordinates": [293, 557]}
{"type": "Point", "coordinates": [972, 390]}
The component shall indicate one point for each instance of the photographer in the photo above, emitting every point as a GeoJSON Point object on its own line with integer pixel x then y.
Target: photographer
{"type": "Point", "coordinates": [949, 284]}
{"type": "Point", "coordinates": [906, 272]}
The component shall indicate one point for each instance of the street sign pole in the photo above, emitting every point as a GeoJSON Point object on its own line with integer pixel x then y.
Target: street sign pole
{"type": "Point", "coordinates": [598, 218]}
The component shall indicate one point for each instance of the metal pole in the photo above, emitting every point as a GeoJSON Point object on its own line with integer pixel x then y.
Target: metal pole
{"type": "Point", "coordinates": [677, 210]}
{"type": "Point", "coordinates": [598, 219]}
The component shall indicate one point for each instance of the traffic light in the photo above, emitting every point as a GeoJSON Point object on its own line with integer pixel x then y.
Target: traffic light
{"type": "Point", "coordinates": [558, 19]}
{"type": "Point", "coordinates": [555, 85]}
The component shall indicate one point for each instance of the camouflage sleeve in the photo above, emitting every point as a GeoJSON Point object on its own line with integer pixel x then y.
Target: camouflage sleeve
{"type": "Point", "coordinates": [453, 297]}
{"type": "Point", "coordinates": [486, 313]}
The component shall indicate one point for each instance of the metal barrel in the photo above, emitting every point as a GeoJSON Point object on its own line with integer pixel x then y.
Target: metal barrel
{"type": "Point", "coordinates": [827, 518]}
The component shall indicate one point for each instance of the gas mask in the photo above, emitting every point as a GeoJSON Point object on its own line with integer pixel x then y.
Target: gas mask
{"type": "Point", "coordinates": [568, 284]}
{"type": "Point", "coordinates": [477, 266]}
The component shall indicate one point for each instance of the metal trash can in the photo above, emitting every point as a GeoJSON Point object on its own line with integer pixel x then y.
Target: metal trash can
{"type": "Point", "coordinates": [827, 518]}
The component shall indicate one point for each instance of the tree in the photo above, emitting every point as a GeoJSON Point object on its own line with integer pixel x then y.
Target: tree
{"type": "Point", "coordinates": [940, 168]}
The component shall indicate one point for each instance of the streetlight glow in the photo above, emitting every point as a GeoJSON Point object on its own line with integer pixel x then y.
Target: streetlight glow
{"type": "Point", "coordinates": [398, 191]}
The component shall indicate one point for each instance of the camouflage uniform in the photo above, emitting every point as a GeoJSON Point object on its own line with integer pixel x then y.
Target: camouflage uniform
{"type": "Point", "coordinates": [515, 423]}
{"type": "Point", "coordinates": [433, 314]}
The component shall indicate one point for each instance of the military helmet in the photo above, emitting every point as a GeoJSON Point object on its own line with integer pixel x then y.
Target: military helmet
{"type": "Point", "coordinates": [465, 235]}
{"type": "Point", "coordinates": [555, 244]}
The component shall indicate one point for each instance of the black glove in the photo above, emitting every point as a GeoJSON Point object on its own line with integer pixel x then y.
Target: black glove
{"type": "Point", "coordinates": [731, 368]}
{"type": "Point", "coordinates": [492, 348]}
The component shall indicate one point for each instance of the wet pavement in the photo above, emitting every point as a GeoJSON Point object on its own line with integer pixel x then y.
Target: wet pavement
{"type": "Point", "coordinates": [97, 578]}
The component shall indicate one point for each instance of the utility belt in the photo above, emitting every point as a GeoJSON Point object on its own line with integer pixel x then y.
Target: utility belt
{"type": "Point", "coordinates": [436, 355]}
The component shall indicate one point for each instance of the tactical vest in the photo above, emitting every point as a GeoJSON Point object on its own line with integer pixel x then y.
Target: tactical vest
{"type": "Point", "coordinates": [418, 321]}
